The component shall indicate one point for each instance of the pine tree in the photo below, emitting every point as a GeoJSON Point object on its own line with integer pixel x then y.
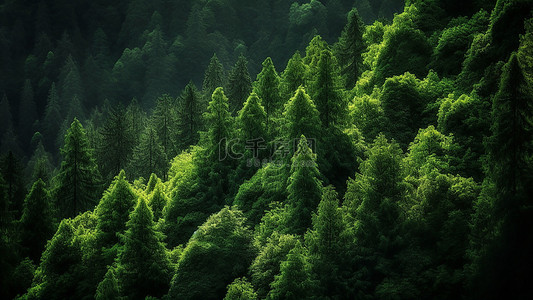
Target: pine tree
{"type": "Point", "coordinates": [78, 181]}
{"type": "Point", "coordinates": [108, 287]}
{"type": "Point", "coordinates": [304, 189]}
{"type": "Point", "coordinates": [164, 118]}
{"type": "Point", "coordinates": [239, 84]}
{"type": "Point", "coordinates": [143, 265]}
{"type": "Point", "coordinates": [158, 200]}
{"type": "Point", "coordinates": [52, 116]}
{"type": "Point", "coordinates": [114, 209]}
{"type": "Point", "coordinates": [149, 156]}
{"type": "Point", "coordinates": [116, 144]}
{"type": "Point", "coordinates": [27, 113]}
{"type": "Point", "coordinates": [213, 78]}
{"type": "Point", "coordinates": [267, 87]}
{"type": "Point", "coordinates": [301, 116]}
{"type": "Point", "coordinates": [189, 115]}
{"type": "Point", "coordinates": [158, 69]}
{"type": "Point", "coordinates": [37, 223]}
{"type": "Point", "coordinates": [219, 122]}
{"type": "Point", "coordinates": [326, 243]}
{"type": "Point", "coordinates": [136, 118]}
{"type": "Point", "coordinates": [327, 93]}
{"type": "Point", "coordinates": [252, 119]}
{"type": "Point", "coordinates": [294, 281]}
{"type": "Point", "coordinates": [293, 76]}
{"type": "Point", "coordinates": [152, 182]}
{"type": "Point", "coordinates": [350, 47]}
{"type": "Point", "coordinates": [70, 84]}
{"type": "Point", "coordinates": [509, 171]}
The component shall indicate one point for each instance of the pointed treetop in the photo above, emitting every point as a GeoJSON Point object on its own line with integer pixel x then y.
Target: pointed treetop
{"type": "Point", "coordinates": [301, 116]}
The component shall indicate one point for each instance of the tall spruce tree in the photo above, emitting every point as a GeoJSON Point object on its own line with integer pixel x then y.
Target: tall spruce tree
{"type": "Point", "coordinates": [37, 221]}
{"type": "Point", "coordinates": [301, 116]}
{"type": "Point", "coordinates": [294, 280]}
{"type": "Point", "coordinates": [149, 156]}
{"type": "Point", "coordinates": [304, 189]}
{"type": "Point", "coordinates": [189, 112]}
{"type": "Point", "coordinates": [164, 118]}
{"type": "Point", "coordinates": [52, 116]}
{"type": "Point", "coordinates": [267, 88]}
{"type": "Point", "coordinates": [219, 122]}
{"type": "Point", "coordinates": [239, 84]}
{"type": "Point", "coordinates": [326, 92]}
{"type": "Point", "coordinates": [143, 267]}
{"type": "Point", "coordinates": [293, 76]}
{"type": "Point", "coordinates": [78, 182]}
{"type": "Point", "coordinates": [158, 200]}
{"type": "Point", "coordinates": [213, 77]}
{"type": "Point", "coordinates": [500, 263]}
{"type": "Point", "coordinates": [349, 49]}
{"type": "Point", "coordinates": [116, 142]}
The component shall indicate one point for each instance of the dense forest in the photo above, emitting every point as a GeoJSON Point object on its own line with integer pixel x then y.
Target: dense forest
{"type": "Point", "coordinates": [230, 149]}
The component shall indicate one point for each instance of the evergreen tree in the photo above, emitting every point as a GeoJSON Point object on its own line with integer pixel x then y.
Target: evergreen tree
{"type": "Point", "coordinates": [214, 77]}
{"type": "Point", "coordinates": [267, 88]}
{"type": "Point", "coordinates": [301, 116]}
{"type": "Point", "coordinates": [136, 118]}
{"type": "Point", "coordinates": [326, 243]}
{"type": "Point", "coordinates": [509, 170]}
{"type": "Point", "coordinates": [164, 118]}
{"type": "Point", "coordinates": [143, 265]}
{"type": "Point", "coordinates": [326, 92]}
{"type": "Point", "coordinates": [158, 68]}
{"type": "Point", "coordinates": [149, 156]}
{"type": "Point", "coordinates": [293, 76]}
{"type": "Point", "coordinates": [158, 200]}
{"type": "Point", "coordinates": [36, 223]}
{"type": "Point", "coordinates": [239, 84]}
{"type": "Point", "coordinates": [52, 116]}
{"type": "Point", "coordinates": [116, 142]}
{"type": "Point", "coordinates": [189, 115]}
{"type": "Point", "coordinates": [350, 47]}
{"type": "Point", "coordinates": [219, 122]}
{"type": "Point", "coordinates": [294, 279]}
{"type": "Point", "coordinates": [78, 181]}
{"type": "Point", "coordinates": [114, 209]}
{"type": "Point", "coordinates": [240, 289]}
{"type": "Point", "coordinates": [252, 118]}
{"type": "Point", "coordinates": [70, 84]}
{"type": "Point", "coordinates": [219, 251]}
{"type": "Point", "coordinates": [152, 182]}
{"type": "Point", "coordinates": [108, 288]}
{"type": "Point", "coordinates": [304, 189]}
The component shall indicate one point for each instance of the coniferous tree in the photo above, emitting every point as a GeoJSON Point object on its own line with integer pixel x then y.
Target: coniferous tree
{"type": "Point", "coordinates": [37, 223]}
{"type": "Point", "coordinates": [143, 267]}
{"type": "Point", "coordinates": [164, 118]}
{"type": "Point", "coordinates": [108, 288]}
{"type": "Point", "coordinates": [293, 76]}
{"type": "Point", "coordinates": [114, 209]}
{"type": "Point", "coordinates": [52, 116]}
{"type": "Point", "coordinates": [301, 116]}
{"type": "Point", "coordinates": [239, 84]}
{"type": "Point", "coordinates": [213, 78]}
{"type": "Point", "coordinates": [116, 144]}
{"type": "Point", "coordinates": [149, 156]}
{"type": "Point", "coordinates": [304, 189]}
{"type": "Point", "coordinates": [136, 118]}
{"type": "Point", "coordinates": [349, 49]}
{"type": "Point", "coordinates": [78, 182]}
{"type": "Point", "coordinates": [326, 92]}
{"type": "Point", "coordinates": [219, 122]}
{"type": "Point", "coordinates": [158, 200]}
{"type": "Point", "coordinates": [152, 182]}
{"type": "Point", "coordinates": [158, 68]}
{"type": "Point", "coordinates": [509, 171]}
{"type": "Point", "coordinates": [70, 84]}
{"type": "Point", "coordinates": [294, 280]}
{"type": "Point", "coordinates": [252, 118]}
{"type": "Point", "coordinates": [267, 88]}
{"type": "Point", "coordinates": [191, 106]}
{"type": "Point", "coordinates": [326, 243]}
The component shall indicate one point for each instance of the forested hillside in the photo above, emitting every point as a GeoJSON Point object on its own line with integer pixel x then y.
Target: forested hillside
{"type": "Point", "coordinates": [228, 149]}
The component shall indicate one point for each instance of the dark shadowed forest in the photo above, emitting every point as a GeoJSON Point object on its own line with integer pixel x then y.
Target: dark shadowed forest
{"type": "Point", "coordinates": [231, 149]}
